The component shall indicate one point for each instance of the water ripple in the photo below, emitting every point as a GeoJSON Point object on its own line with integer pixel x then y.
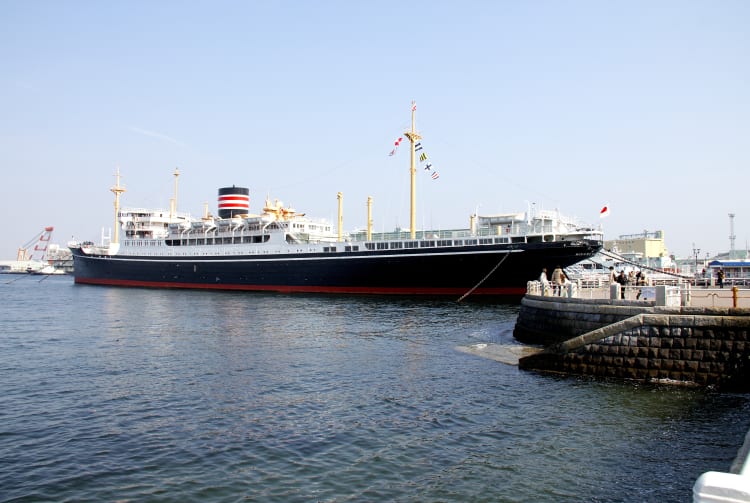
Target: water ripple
{"type": "Point", "coordinates": [127, 394]}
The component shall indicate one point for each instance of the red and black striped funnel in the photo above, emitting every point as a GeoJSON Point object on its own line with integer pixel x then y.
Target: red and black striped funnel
{"type": "Point", "coordinates": [233, 201]}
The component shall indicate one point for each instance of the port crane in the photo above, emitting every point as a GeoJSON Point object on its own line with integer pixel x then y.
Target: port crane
{"type": "Point", "coordinates": [36, 247]}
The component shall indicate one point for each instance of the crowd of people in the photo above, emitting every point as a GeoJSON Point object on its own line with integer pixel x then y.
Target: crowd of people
{"type": "Point", "coordinates": [556, 284]}
{"type": "Point", "coordinates": [632, 278]}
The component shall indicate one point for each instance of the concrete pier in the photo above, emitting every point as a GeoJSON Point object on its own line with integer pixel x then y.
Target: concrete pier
{"type": "Point", "coordinates": [606, 338]}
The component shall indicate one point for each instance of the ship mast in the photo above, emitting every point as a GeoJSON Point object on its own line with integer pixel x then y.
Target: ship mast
{"type": "Point", "coordinates": [340, 197]}
{"type": "Point", "coordinates": [413, 138]}
{"type": "Point", "coordinates": [173, 202]}
{"type": "Point", "coordinates": [117, 190]}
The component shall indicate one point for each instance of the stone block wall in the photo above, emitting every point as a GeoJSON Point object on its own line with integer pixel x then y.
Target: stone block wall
{"type": "Point", "coordinates": [549, 320]}
{"type": "Point", "coordinates": [698, 348]}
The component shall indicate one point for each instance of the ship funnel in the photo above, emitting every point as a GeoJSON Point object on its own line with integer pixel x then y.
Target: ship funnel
{"type": "Point", "coordinates": [233, 201]}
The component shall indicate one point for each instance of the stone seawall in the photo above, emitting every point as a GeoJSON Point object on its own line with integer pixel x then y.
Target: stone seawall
{"type": "Point", "coordinates": [702, 346]}
{"type": "Point", "coordinates": [549, 320]}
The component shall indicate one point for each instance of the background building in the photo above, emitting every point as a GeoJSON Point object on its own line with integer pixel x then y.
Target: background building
{"type": "Point", "coordinates": [644, 249]}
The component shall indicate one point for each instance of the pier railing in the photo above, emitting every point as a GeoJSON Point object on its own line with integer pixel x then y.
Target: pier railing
{"type": "Point", "coordinates": [681, 294]}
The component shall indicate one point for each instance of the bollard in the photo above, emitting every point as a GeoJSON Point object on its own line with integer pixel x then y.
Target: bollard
{"type": "Point", "coordinates": [660, 296]}
{"type": "Point", "coordinates": [735, 295]}
{"type": "Point", "coordinates": [532, 288]}
{"type": "Point", "coordinates": [614, 291]}
{"type": "Point", "coordinates": [668, 296]}
{"type": "Point", "coordinates": [572, 290]}
{"type": "Point", "coordinates": [685, 294]}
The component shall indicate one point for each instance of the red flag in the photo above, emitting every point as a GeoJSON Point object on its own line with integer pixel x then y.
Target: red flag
{"type": "Point", "coordinates": [396, 143]}
{"type": "Point", "coordinates": [604, 212]}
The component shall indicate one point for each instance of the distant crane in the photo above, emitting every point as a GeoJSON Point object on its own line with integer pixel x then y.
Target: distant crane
{"type": "Point", "coordinates": [40, 243]}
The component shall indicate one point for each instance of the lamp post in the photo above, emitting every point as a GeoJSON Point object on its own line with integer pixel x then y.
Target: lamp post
{"type": "Point", "coordinates": [696, 251]}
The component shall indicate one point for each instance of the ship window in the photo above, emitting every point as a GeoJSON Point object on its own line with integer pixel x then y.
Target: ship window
{"type": "Point", "coordinates": [382, 246]}
{"type": "Point", "coordinates": [397, 245]}
{"type": "Point", "coordinates": [470, 242]}
{"type": "Point", "coordinates": [410, 244]}
{"type": "Point", "coordinates": [458, 242]}
{"type": "Point", "coordinates": [370, 246]}
{"type": "Point", "coordinates": [445, 242]}
{"type": "Point", "coordinates": [426, 244]}
{"type": "Point", "coordinates": [351, 248]}
{"type": "Point", "coordinates": [501, 240]}
{"type": "Point", "coordinates": [485, 241]}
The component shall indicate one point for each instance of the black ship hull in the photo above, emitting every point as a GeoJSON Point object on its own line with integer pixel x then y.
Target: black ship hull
{"type": "Point", "coordinates": [490, 270]}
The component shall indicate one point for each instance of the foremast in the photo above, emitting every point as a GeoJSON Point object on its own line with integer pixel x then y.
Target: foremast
{"type": "Point", "coordinates": [173, 201]}
{"type": "Point", "coordinates": [414, 137]}
{"type": "Point", "coordinates": [117, 190]}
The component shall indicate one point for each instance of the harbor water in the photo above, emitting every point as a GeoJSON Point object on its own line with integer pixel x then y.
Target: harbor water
{"type": "Point", "coordinates": [116, 394]}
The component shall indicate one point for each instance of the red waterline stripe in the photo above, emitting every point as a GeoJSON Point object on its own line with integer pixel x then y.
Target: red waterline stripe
{"type": "Point", "coordinates": [520, 291]}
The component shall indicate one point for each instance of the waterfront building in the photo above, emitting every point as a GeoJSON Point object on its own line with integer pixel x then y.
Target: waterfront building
{"type": "Point", "coordinates": [646, 249]}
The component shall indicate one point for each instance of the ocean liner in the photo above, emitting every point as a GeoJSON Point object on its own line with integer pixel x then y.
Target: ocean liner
{"type": "Point", "coordinates": [281, 250]}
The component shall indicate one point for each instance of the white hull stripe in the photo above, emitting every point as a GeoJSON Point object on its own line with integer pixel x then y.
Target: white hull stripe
{"type": "Point", "coordinates": [333, 256]}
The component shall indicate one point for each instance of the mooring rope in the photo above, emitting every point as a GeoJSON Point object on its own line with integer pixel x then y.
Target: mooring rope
{"type": "Point", "coordinates": [21, 275]}
{"type": "Point", "coordinates": [485, 278]}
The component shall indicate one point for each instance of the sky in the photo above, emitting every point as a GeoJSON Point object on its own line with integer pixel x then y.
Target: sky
{"type": "Point", "coordinates": [640, 106]}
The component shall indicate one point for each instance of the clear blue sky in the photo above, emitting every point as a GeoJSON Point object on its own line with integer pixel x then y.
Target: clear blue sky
{"type": "Point", "coordinates": [639, 105]}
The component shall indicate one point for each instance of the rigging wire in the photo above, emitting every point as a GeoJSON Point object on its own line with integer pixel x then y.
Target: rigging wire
{"type": "Point", "coordinates": [620, 258]}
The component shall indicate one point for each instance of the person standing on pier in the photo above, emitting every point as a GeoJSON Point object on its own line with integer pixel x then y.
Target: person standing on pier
{"type": "Point", "coordinates": [557, 276]}
{"type": "Point", "coordinates": [623, 280]}
{"type": "Point", "coordinates": [544, 281]}
{"type": "Point", "coordinates": [641, 280]}
{"type": "Point", "coordinates": [720, 277]}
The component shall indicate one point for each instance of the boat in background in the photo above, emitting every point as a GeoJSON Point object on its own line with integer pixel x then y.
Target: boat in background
{"type": "Point", "coordinates": [281, 250]}
{"type": "Point", "coordinates": [20, 266]}
{"type": "Point", "coordinates": [48, 270]}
